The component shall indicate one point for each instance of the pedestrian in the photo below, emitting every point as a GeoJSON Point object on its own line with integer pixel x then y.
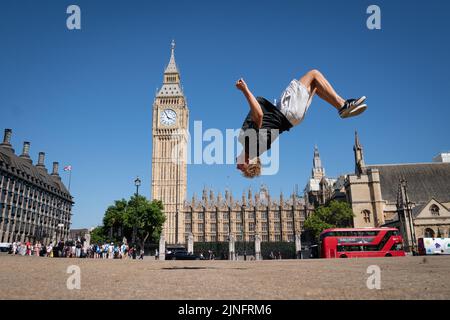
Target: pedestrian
{"type": "Point", "coordinates": [23, 249]}
{"type": "Point", "coordinates": [50, 250]}
{"type": "Point", "coordinates": [78, 249]}
{"type": "Point", "coordinates": [111, 251]}
{"type": "Point", "coordinates": [37, 249]}
{"type": "Point", "coordinates": [123, 251]}
{"type": "Point", "coordinates": [271, 255]}
{"type": "Point", "coordinates": [73, 250]}
{"type": "Point", "coordinates": [28, 248]}
{"type": "Point", "coordinates": [55, 251]}
{"type": "Point", "coordinates": [43, 251]}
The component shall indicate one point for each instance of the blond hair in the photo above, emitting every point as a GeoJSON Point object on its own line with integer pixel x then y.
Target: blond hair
{"type": "Point", "coordinates": [253, 169]}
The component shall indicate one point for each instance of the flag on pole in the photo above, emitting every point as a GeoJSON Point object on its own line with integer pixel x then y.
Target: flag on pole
{"type": "Point", "coordinates": [69, 168]}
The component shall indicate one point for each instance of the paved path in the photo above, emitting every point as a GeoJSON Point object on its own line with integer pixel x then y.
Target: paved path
{"type": "Point", "coordinates": [401, 278]}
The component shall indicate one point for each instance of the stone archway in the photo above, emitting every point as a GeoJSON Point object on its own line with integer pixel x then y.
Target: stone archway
{"type": "Point", "coordinates": [429, 233]}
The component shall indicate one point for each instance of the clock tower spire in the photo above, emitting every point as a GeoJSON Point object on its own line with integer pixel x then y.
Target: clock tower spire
{"type": "Point", "coordinates": [170, 127]}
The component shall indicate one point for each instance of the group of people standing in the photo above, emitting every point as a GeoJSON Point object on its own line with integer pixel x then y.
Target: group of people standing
{"type": "Point", "coordinates": [114, 251]}
{"type": "Point", "coordinates": [26, 248]}
{"type": "Point", "coordinates": [76, 249]}
{"type": "Point", "coordinates": [61, 249]}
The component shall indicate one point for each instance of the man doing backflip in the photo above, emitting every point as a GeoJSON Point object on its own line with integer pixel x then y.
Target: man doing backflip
{"type": "Point", "coordinates": [267, 121]}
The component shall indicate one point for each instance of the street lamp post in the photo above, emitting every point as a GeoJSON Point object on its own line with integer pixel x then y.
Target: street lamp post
{"type": "Point", "coordinates": [137, 183]}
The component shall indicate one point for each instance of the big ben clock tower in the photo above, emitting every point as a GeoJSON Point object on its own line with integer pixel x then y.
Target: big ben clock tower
{"type": "Point", "coordinates": [169, 135]}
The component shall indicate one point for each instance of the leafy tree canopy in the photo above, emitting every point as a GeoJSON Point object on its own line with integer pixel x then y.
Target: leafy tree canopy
{"type": "Point", "coordinates": [139, 214]}
{"type": "Point", "coordinates": [98, 235]}
{"type": "Point", "coordinates": [148, 217]}
{"type": "Point", "coordinates": [336, 214]}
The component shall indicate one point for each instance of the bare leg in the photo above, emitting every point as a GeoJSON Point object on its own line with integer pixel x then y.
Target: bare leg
{"type": "Point", "coordinates": [315, 81]}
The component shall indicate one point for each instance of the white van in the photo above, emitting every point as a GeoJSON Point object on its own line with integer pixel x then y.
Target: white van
{"type": "Point", "coordinates": [434, 246]}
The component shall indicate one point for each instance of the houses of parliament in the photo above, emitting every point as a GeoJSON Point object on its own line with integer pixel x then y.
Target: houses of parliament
{"type": "Point", "coordinates": [213, 217]}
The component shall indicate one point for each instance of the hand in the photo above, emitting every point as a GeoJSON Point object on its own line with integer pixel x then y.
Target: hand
{"type": "Point", "coordinates": [241, 85]}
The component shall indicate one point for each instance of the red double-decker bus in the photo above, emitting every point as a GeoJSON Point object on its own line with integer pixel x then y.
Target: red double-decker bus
{"type": "Point", "coordinates": [361, 243]}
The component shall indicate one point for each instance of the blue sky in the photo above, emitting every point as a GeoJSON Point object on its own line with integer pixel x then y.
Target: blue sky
{"type": "Point", "coordinates": [85, 97]}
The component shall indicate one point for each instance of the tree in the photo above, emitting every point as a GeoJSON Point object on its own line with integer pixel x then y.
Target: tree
{"type": "Point", "coordinates": [113, 220]}
{"type": "Point", "coordinates": [121, 217]}
{"type": "Point", "coordinates": [98, 235]}
{"type": "Point", "coordinates": [147, 216]}
{"type": "Point", "coordinates": [336, 214]}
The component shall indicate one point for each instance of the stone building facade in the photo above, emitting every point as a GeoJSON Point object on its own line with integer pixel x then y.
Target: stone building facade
{"type": "Point", "coordinates": [414, 197]}
{"type": "Point", "coordinates": [319, 188]}
{"type": "Point", "coordinates": [214, 218]}
{"type": "Point", "coordinates": [34, 204]}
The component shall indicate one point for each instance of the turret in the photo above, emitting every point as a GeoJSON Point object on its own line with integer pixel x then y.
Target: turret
{"type": "Point", "coordinates": [359, 156]}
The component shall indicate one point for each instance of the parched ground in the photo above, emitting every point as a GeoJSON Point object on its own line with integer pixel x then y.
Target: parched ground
{"type": "Point", "coordinates": [401, 278]}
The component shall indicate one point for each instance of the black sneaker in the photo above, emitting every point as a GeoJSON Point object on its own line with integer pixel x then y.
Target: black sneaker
{"type": "Point", "coordinates": [353, 107]}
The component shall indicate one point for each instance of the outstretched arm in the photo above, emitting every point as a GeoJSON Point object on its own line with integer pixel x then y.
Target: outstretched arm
{"type": "Point", "coordinates": [256, 111]}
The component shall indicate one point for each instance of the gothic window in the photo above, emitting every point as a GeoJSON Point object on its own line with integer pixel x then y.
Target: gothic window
{"type": "Point", "coordinates": [434, 210]}
{"type": "Point", "coordinates": [264, 226]}
{"type": "Point", "coordinates": [428, 233]}
{"type": "Point", "coordinates": [251, 226]}
{"type": "Point", "coordinates": [289, 225]}
{"type": "Point", "coordinates": [366, 216]}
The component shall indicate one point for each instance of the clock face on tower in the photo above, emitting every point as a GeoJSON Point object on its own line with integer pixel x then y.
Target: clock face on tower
{"type": "Point", "coordinates": [168, 117]}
